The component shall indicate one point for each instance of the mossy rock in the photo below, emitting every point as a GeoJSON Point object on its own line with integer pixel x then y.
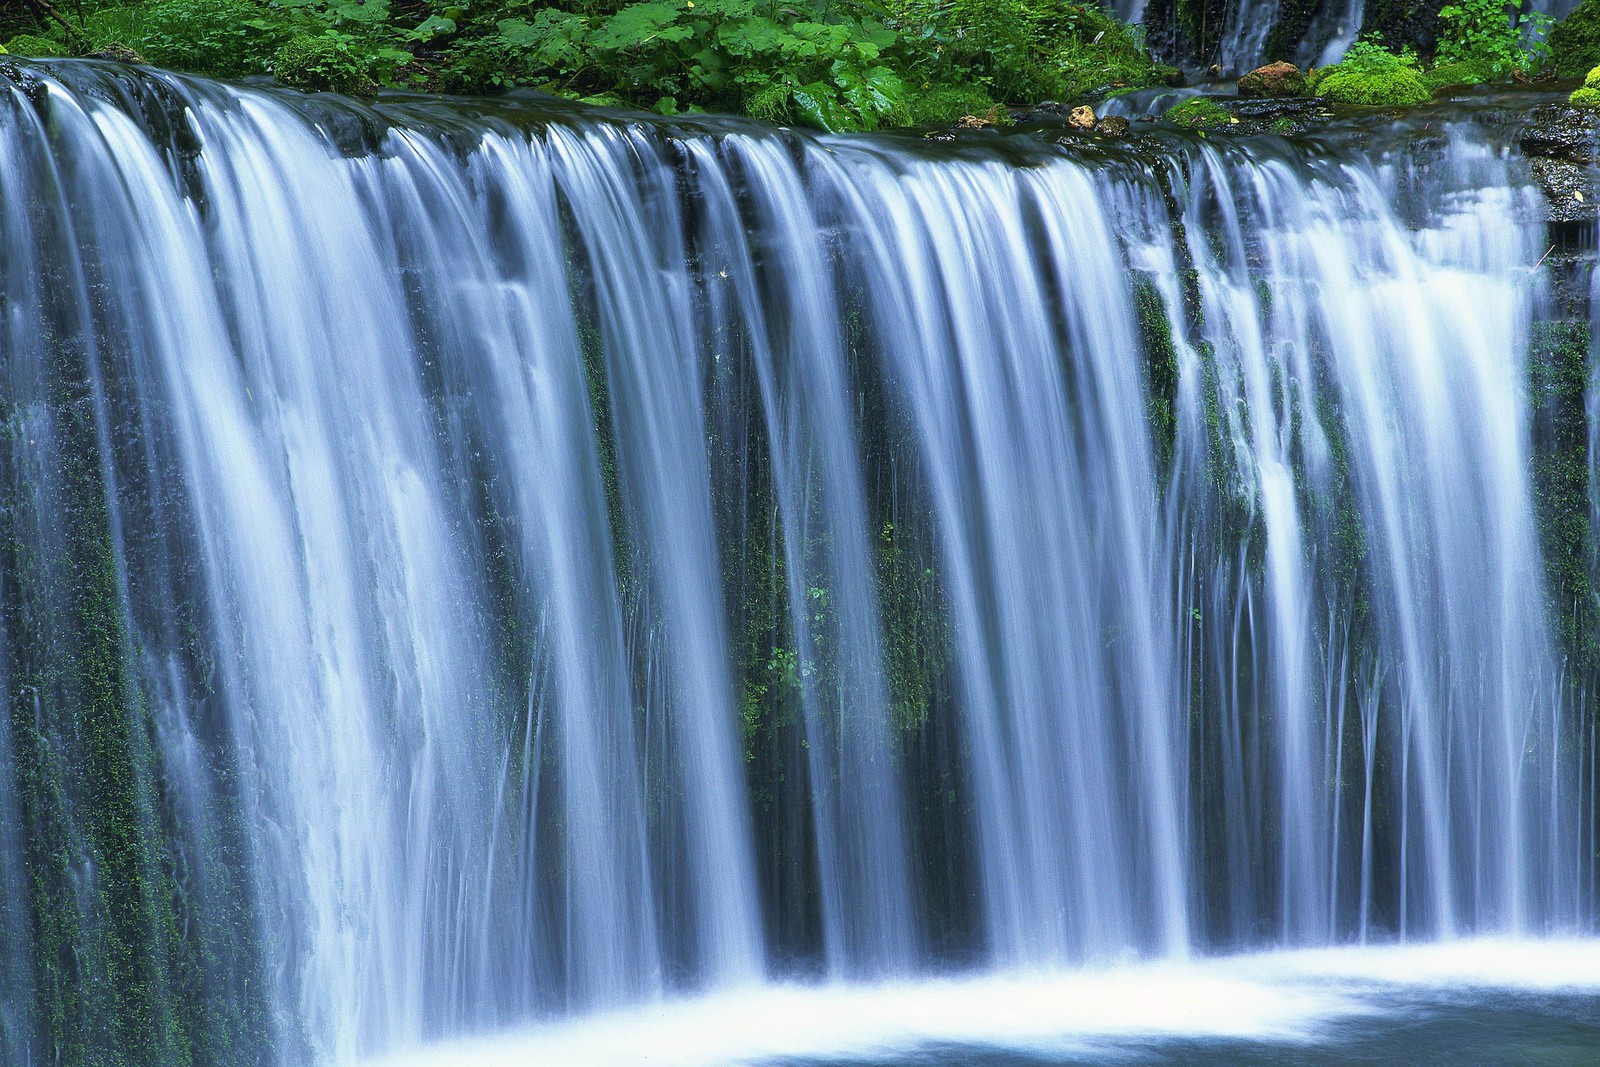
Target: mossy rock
{"type": "Point", "coordinates": [1464, 72]}
{"type": "Point", "coordinates": [1575, 41]}
{"type": "Point", "coordinates": [1397, 86]}
{"type": "Point", "coordinates": [116, 53]}
{"type": "Point", "coordinates": [1585, 98]}
{"type": "Point", "coordinates": [1200, 113]}
{"type": "Point", "coordinates": [33, 47]}
{"type": "Point", "coordinates": [1274, 80]}
{"type": "Point", "coordinates": [320, 65]}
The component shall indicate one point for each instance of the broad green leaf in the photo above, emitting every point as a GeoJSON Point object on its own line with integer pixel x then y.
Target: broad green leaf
{"type": "Point", "coordinates": [752, 37]}
{"type": "Point", "coordinates": [431, 27]}
{"type": "Point", "coordinates": [640, 24]}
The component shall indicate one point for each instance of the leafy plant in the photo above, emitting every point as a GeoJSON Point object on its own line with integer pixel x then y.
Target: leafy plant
{"type": "Point", "coordinates": [834, 64]}
{"type": "Point", "coordinates": [1484, 33]}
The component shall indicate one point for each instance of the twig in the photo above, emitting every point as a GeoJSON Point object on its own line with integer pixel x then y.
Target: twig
{"type": "Point", "coordinates": [45, 10]}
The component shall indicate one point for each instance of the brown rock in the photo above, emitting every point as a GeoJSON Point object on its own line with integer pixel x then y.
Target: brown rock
{"type": "Point", "coordinates": [1082, 118]}
{"type": "Point", "coordinates": [1274, 80]}
{"type": "Point", "coordinates": [1114, 126]}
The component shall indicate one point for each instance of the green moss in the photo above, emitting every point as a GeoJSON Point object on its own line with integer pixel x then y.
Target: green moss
{"type": "Point", "coordinates": [1585, 97]}
{"type": "Point", "coordinates": [33, 46]}
{"type": "Point", "coordinates": [321, 65]}
{"type": "Point", "coordinates": [1575, 41]}
{"type": "Point", "coordinates": [1397, 87]}
{"type": "Point", "coordinates": [916, 644]}
{"type": "Point", "coordinates": [1199, 113]}
{"type": "Point", "coordinates": [1464, 72]}
{"type": "Point", "coordinates": [1558, 369]}
{"type": "Point", "coordinates": [1161, 367]}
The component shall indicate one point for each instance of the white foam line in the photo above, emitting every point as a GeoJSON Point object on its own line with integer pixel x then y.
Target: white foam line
{"type": "Point", "coordinates": [1281, 996]}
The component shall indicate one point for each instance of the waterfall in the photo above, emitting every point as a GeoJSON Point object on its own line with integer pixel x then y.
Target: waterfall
{"type": "Point", "coordinates": [467, 567]}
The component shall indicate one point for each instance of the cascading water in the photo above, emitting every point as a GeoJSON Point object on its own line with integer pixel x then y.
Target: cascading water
{"type": "Point", "coordinates": [466, 569]}
{"type": "Point", "coordinates": [1239, 35]}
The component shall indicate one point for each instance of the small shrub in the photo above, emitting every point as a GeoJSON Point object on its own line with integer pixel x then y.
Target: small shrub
{"type": "Point", "coordinates": [321, 65]}
{"type": "Point", "coordinates": [1199, 113]}
{"type": "Point", "coordinates": [1575, 41]}
{"type": "Point", "coordinates": [1372, 76]}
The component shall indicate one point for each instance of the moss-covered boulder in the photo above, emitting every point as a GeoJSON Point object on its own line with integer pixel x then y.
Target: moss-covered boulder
{"type": "Point", "coordinates": [1371, 76]}
{"type": "Point", "coordinates": [116, 53]}
{"type": "Point", "coordinates": [1575, 41]}
{"type": "Point", "coordinates": [321, 65]}
{"type": "Point", "coordinates": [33, 47]}
{"type": "Point", "coordinates": [1588, 95]}
{"type": "Point", "coordinates": [1275, 80]}
{"type": "Point", "coordinates": [1464, 72]}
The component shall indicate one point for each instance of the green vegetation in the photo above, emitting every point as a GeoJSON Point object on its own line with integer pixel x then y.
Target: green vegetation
{"type": "Point", "coordinates": [322, 64]}
{"type": "Point", "coordinates": [1199, 113]}
{"type": "Point", "coordinates": [1559, 374]}
{"type": "Point", "coordinates": [1161, 367]}
{"type": "Point", "coordinates": [1588, 94]}
{"type": "Point", "coordinates": [1463, 72]}
{"type": "Point", "coordinates": [1021, 51]}
{"type": "Point", "coordinates": [834, 64]}
{"type": "Point", "coordinates": [1479, 32]}
{"type": "Point", "coordinates": [28, 44]}
{"type": "Point", "coordinates": [1372, 76]}
{"type": "Point", "coordinates": [1575, 42]}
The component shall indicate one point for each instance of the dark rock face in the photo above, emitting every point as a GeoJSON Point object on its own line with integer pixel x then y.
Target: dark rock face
{"type": "Point", "coordinates": [1560, 143]}
{"type": "Point", "coordinates": [1194, 34]}
{"type": "Point", "coordinates": [1273, 80]}
{"type": "Point", "coordinates": [1558, 131]}
{"type": "Point", "coordinates": [1570, 191]}
{"type": "Point", "coordinates": [1404, 22]}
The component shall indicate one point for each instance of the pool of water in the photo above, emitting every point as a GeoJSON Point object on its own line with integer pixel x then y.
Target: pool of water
{"type": "Point", "coordinates": [1488, 1003]}
{"type": "Point", "coordinates": [1545, 1029]}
